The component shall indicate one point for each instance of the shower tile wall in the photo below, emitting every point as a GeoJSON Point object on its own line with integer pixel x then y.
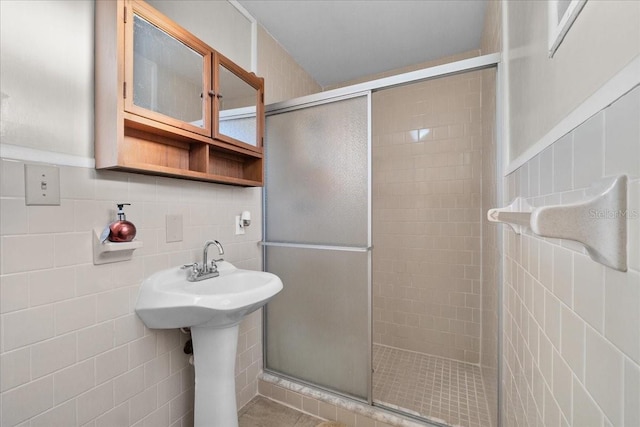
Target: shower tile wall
{"type": "Point", "coordinates": [426, 217]}
{"type": "Point", "coordinates": [572, 326]}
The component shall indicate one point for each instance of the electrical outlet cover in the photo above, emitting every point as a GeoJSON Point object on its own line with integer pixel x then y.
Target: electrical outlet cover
{"type": "Point", "coordinates": [174, 228]}
{"type": "Point", "coordinates": [239, 230]}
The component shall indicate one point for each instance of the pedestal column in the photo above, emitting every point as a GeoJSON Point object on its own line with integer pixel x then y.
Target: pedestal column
{"type": "Point", "coordinates": [214, 356]}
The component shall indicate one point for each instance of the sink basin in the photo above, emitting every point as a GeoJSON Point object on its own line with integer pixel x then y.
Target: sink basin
{"type": "Point", "coordinates": [167, 300]}
{"type": "Point", "coordinates": [213, 308]}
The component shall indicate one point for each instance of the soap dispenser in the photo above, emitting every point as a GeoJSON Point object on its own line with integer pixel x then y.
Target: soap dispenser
{"type": "Point", "coordinates": [122, 230]}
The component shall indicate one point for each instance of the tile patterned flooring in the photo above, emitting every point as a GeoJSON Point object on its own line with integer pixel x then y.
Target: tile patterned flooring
{"type": "Point", "coordinates": [424, 385]}
{"type": "Point", "coordinates": [430, 386]}
{"type": "Point", "coordinates": [262, 412]}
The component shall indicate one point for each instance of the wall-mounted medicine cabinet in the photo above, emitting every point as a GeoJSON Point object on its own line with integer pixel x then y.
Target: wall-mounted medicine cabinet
{"type": "Point", "coordinates": [168, 104]}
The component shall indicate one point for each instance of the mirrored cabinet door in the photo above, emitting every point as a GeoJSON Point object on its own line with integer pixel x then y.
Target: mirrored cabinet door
{"type": "Point", "coordinates": [170, 73]}
{"type": "Point", "coordinates": [239, 105]}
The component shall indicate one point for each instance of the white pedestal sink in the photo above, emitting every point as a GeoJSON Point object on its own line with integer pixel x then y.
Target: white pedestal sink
{"type": "Point", "coordinates": [213, 308]}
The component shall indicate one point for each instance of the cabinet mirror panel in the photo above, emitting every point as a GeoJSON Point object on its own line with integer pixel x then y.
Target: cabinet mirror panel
{"type": "Point", "coordinates": [237, 102]}
{"type": "Point", "coordinates": [167, 74]}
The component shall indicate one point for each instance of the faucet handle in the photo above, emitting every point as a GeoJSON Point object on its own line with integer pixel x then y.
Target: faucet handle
{"type": "Point", "coordinates": [194, 266]}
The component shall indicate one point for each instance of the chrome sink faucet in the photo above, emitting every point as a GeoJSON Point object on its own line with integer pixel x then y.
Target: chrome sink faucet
{"type": "Point", "coordinates": [205, 263]}
{"type": "Point", "coordinates": [207, 269]}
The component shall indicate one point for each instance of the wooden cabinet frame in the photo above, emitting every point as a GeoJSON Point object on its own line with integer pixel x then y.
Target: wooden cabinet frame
{"type": "Point", "coordinates": [254, 81]}
{"type": "Point", "coordinates": [151, 15]}
{"type": "Point", "coordinates": [132, 138]}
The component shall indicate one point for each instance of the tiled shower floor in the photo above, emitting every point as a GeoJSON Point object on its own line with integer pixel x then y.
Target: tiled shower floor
{"type": "Point", "coordinates": [430, 386]}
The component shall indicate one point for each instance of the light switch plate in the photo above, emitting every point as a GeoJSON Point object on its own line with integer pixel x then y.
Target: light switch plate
{"type": "Point", "coordinates": [174, 228]}
{"type": "Point", "coordinates": [42, 185]}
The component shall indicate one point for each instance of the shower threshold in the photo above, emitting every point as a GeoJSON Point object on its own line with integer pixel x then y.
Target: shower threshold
{"type": "Point", "coordinates": [334, 407]}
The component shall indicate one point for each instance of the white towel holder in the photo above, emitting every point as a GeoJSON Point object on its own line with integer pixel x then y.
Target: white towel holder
{"type": "Point", "coordinates": [517, 215]}
{"type": "Point", "coordinates": [600, 224]}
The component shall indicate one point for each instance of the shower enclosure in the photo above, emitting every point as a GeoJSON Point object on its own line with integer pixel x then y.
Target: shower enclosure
{"type": "Point", "coordinates": [373, 220]}
{"type": "Point", "coordinates": [318, 235]}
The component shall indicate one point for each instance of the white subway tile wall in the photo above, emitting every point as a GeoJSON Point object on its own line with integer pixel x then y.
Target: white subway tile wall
{"type": "Point", "coordinates": [572, 326]}
{"type": "Point", "coordinates": [73, 350]}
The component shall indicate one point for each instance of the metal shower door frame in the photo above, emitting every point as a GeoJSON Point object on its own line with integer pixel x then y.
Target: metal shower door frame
{"type": "Point", "coordinates": [308, 103]}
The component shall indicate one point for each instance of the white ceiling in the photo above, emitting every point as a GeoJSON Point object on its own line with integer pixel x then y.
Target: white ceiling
{"type": "Point", "coordinates": [340, 40]}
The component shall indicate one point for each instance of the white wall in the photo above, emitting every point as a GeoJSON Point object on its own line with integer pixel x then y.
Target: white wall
{"type": "Point", "coordinates": [543, 90]}
{"type": "Point", "coordinates": [46, 75]}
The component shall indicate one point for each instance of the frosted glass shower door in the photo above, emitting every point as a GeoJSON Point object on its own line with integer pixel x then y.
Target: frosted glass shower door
{"type": "Point", "coordinates": [317, 239]}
